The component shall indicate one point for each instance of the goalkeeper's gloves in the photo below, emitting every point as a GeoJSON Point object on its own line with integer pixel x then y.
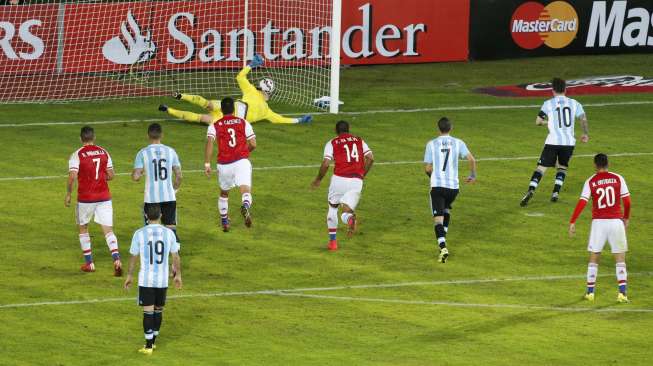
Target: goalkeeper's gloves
{"type": "Point", "coordinates": [305, 119]}
{"type": "Point", "coordinates": [177, 95]}
{"type": "Point", "coordinates": [256, 61]}
{"type": "Point", "coordinates": [163, 108]}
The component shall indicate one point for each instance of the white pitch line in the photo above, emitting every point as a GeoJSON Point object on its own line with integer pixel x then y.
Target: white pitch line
{"type": "Point", "coordinates": [470, 305]}
{"type": "Point", "coordinates": [312, 166]}
{"type": "Point", "coordinates": [82, 122]}
{"type": "Point", "coordinates": [352, 113]}
{"type": "Point", "coordinates": [321, 289]}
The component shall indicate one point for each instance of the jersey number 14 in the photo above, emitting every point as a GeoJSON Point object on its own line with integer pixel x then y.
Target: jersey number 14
{"type": "Point", "coordinates": [352, 153]}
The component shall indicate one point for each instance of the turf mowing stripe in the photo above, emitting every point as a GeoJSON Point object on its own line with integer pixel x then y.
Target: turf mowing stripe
{"type": "Point", "coordinates": [353, 113]}
{"type": "Point", "coordinates": [574, 309]}
{"type": "Point", "coordinates": [283, 167]}
{"type": "Point", "coordinates": [322, 289]}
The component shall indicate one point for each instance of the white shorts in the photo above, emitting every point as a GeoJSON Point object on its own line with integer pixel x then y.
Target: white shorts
{"type": "Point", "coordinates": [345, 191]}
{"type": "Point", "coordinates": [610, 230]}
{"type": "Point", "coordinates": [103, 212]}
{"type": "Point", "coordinates": [236, 174]}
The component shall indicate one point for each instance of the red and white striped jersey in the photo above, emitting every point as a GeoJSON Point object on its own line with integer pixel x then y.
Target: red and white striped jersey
{"type": "Point", "coordinates": [348, 152]}
{"type": "Point", "coordinates": [91, 163]}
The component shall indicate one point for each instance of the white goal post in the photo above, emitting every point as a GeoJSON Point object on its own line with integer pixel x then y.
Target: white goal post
{"type": "Point", "coordinates": [70, 50]}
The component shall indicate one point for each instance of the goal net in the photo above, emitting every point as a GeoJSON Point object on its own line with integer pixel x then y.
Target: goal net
{"type": "Point", "coordinates": [57, 51]}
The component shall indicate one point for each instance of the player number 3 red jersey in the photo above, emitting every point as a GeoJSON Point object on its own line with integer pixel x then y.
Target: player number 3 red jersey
{"type": "Point", "coordinates": [232, 134]}
{"type": "Point", "coordinates": [91, 163]}
{"type": "Point", "coordinates": [348, 152]}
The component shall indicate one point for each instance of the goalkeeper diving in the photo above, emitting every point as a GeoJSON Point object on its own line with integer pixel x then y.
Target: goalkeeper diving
{"type": "Point", "coordinates": [253, 106]}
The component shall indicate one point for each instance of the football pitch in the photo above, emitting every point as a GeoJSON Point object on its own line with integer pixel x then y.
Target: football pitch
{"type": "Point", "coordinates": [510, 293]}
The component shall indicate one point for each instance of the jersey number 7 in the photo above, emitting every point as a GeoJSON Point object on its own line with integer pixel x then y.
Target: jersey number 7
{"type": "Point", "coordinates": [446, 158]}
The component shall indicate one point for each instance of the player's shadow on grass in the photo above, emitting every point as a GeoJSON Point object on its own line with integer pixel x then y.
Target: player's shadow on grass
{"type": "Point", "coordinates": [526, 317]}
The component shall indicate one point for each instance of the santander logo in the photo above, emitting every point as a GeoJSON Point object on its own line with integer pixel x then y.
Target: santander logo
{"type": "Point", "coordinates": [534, 24]}
{"type": "Point", "coordinates": [130, 49]}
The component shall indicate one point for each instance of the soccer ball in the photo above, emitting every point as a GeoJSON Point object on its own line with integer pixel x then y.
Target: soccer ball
{"type": "Point", "coordinates": [267, 85]}
{"type": "Point", "coordinates": [324, 102]}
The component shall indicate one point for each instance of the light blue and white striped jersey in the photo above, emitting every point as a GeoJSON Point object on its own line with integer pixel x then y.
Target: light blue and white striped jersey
{"type": "Point", "coordinates": [561, 113]}
{"type": "Point", "coordinates": [443, 153]}
{"type": "Point", "coordinates": [158, 160]}
{"type": "Point", "coordinates": [153, 243]}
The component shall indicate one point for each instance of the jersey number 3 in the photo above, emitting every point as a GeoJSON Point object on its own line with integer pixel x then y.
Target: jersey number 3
{"type": "Point", "coordinates": [232, 137]}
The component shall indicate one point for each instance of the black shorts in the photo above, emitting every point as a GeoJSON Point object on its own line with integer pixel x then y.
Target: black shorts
{"type": "Point", "coordinates": [552, 153]}
{"type": "Point", "coordinates": [168, 212]}
{"type": "Point", "coordinates": [148, 296]}
{"type": "Point", "coordinates": [441, 199]}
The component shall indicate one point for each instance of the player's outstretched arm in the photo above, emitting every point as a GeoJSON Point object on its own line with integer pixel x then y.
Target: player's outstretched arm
{"type": "Point", "coordinates": [130, 272]}
{"type": "Point", "coordinates": [137, 174]}
{"type": "Point", "coordinates": [208, 152]}
{"type": "Point", "coordinates": [580, 206]}
{"type": "Point", "coordinates": [176, 267]}
{"type": "Point", "coordinates": [626, 218]}
{"type": "Point", "coordinates": [251, 144]}
{"type": "Point", "coordinates": [369, 161]}
{"type": "Point", "coordinates": [428, 169]}
{"type": "Point", "coordinates": [324, 168]}
{"type": "Point", "coordinates": [472, 169]}
{"type": "Point", "coordinates": [586, 130]}
{"type": "Point", "coordinates": [176, 170]}
{"type": "Point", "coordinates": [70, 184]}
{"type": "Point", "coordinates": [542, 118]}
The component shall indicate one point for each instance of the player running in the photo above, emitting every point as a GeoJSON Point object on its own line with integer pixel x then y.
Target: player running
{"type": "Point", "coordinates": [441, 165]}
{"type": "Point", "coordinates": [236, 140]}
{"type": "Point", "coordinates": [91, 166]}
{"type": "Point", "coordinates": [609, 224]}
{"type": "Point", "coordinates": [253, 106]}
{"type": "Point", "coordinates": [559, 114]}
{"type": "Point", "coordinates": [353, 160]}
{"type": "Point", "coordinates": [156, 161]}
{"type": "Point", "coordinates": [153, 244]}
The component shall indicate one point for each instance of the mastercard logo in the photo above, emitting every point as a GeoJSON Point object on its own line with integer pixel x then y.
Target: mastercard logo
{"type": "Point", "coordinates": [534, 24]}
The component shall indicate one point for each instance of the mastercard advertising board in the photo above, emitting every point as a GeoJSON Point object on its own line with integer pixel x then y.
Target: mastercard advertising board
{"type": "Point", "coordinates": [518, 28]}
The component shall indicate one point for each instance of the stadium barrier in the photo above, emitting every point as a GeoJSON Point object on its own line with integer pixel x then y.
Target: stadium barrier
{"type": "Point", "coordinates": [527, 28]}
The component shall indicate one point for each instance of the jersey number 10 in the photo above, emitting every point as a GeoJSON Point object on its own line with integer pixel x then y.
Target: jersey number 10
{"type": "Point", "coordinates": [564, 116]}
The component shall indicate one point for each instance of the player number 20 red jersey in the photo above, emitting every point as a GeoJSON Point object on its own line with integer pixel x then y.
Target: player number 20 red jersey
{"type": "Point", "coordinates": [607, 190]}
{"type": "Point", "coordinates": [348, 152]}
{"type": "Point", "coordinates": [91, 163]}
{"type": "Point", "coordinates": [232, 134]}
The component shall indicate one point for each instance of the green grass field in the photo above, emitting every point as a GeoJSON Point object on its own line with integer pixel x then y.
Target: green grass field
{"type": "Point", "coordinates": [510, 294]}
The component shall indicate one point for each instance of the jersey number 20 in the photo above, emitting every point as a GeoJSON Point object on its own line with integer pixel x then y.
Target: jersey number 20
{"type": "Point", "coordinates": [606, 197]}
